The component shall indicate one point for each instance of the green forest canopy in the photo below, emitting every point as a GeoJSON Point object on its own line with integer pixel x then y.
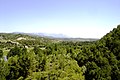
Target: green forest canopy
{"type": "Point", "coordinates": [43, 59]}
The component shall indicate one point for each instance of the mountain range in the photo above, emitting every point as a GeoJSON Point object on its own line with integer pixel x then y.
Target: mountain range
{"type": "Point", "coordinates": [58, 36]}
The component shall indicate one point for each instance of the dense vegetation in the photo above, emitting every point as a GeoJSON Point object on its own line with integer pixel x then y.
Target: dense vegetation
{"type": "Point", "coordinates": [24, 57]}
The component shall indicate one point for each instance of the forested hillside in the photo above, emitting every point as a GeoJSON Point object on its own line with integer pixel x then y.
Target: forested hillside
{"type": "Point", "coordinates": [102, 59]}
{"type": "Point", "coordinates": [25, 57]}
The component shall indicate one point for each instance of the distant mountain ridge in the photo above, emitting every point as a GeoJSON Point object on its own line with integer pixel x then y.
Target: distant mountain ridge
{"type": "Point", "coordinates": [58, 36]}
{"type": "Point", "coordinates": [49, 35]}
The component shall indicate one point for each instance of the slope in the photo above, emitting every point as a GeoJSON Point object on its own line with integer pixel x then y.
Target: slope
{"type": "Point", "coordinates": [102, 59]}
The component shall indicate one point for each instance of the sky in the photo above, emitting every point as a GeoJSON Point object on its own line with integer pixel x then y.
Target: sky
{"type": "Point", "coordinates": [73, 18]}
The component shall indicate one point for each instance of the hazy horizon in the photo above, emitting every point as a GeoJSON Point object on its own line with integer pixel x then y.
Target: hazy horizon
{"type": "Point", "coordinates": [78, 18]}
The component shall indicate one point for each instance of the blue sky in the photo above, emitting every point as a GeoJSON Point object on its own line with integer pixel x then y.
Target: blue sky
{"type": "Point", "coordinates": [74, 18]}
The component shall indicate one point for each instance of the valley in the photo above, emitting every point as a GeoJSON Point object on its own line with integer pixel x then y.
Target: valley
{"type": "Point", "coordinates": [32, 57]}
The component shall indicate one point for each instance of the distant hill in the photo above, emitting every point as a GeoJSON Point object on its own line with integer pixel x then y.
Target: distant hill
{"type": "Point", "coordinates": [21, 39]}
{"type": "Point", "coordinates": [61, 37]}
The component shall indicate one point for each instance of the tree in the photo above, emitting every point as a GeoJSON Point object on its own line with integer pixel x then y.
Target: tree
{"type": "Point", "coordinates": [4, 69]}
{"type": "Point", "coordinates": [14, 51]}
{"type": "Point", "coordinates": [1, 53]}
